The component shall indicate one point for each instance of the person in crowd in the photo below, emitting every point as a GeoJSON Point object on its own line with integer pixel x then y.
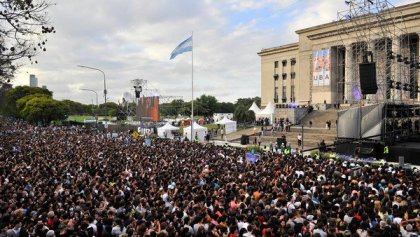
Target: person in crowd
{"type": "Point", "coordinates": [69, 181]}
{"type": "Point", "coordinates": [299, 139]}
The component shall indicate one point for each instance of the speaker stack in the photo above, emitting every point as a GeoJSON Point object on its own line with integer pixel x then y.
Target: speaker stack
{"type": "Point", "coordinates": [368, 78]}
{"type": "Point", "coordinates": [244, 140]}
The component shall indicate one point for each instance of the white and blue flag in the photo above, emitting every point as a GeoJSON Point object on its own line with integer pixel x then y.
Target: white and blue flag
{"type": "Point", "coordinates": [183, 47]}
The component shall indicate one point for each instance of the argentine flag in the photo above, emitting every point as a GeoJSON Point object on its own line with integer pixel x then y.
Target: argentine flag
{"type": "Point", "coordinates": [183, 47]}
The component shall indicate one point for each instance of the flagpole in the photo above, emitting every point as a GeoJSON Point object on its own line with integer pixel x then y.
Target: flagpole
{"type": "Point", "coordinates": [192, 84]}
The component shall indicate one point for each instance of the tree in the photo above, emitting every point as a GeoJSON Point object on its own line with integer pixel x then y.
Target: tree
{"type": "Point", "coordinates": [4, 88]}
{"type": "Point", "coordinates": [43, 110]}
{"type": "Point", "coordinates": [20, 103]}
{"type": "Point", "coordinates": [247, 102]}
{"type": "Point", "coordinates": [13, 95]}
{"type": "Point", "coordinates": [242, 113]}
{"type": "Point", "coordinates": [24, 26]}
{"type": "Point", "coordinates": [172, 108]}
{"type": "Point", "coordinates": [207, 105]}
{"type": "Point", "coordinates": [185, 109]}
{"type": "Point", "coordinates": [105, 107]}
{"type": "Point", "coordinates": [76, 108]}
{"type": "Point", "coordinates": [226, 107]}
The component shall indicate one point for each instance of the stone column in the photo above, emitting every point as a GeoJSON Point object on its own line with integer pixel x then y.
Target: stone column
{"type": "Point", "coordinates": [348, 75]}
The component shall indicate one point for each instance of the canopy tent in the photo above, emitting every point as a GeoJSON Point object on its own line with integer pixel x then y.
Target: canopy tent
{"type": "Point", "coordinates": [199, 132]}
{"type": "Point", "coordinates": [166, 131]}
{"type": "Point", "coordinates": [230, 126]}
{"type": "Point", "coordinates": [254, 107]}
{"type": "Point", "coordinates": [267, 112]}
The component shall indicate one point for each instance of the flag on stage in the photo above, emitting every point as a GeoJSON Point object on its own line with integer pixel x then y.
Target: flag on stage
{"type": "Point", "coordinates": [183, 47]}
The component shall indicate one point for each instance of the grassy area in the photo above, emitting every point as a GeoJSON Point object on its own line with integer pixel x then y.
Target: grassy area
{"type": "Point", "coordinates": [79, 118]}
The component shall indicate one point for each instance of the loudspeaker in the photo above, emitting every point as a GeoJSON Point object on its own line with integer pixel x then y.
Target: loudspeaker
{"type": "Point", "coordinates": [367, 73]}
{"type": "Point", "coordinates": [244, 140]}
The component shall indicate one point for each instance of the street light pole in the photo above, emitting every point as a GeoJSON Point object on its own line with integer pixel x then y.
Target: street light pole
{"type": "Point", "coordinates": [96, 93]}
{"type": "Point", "coordinates": [103, 73]}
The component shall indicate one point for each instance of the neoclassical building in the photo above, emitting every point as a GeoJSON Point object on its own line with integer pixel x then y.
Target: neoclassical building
{"type": "Point", "coordinates": [324, 66]}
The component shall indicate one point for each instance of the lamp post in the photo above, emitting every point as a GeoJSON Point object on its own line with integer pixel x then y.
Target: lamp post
{"type": "Point", "coordinates": [97, 69]}
{"type": "Point", "coordinates": [96, 93]}
{"type": "Point", "coordinates": [97, 105]}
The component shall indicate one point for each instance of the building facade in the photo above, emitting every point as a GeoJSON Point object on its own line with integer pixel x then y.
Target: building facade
{"type": "Point", "coordinates": [324, 65]}
{"type": "Point", "coordinates": [33, 81]}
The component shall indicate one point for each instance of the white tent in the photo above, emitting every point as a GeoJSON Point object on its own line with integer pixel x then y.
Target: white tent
{"type": "Point", "coordinates": [167, 128]}
{"type": "Point", "coordinates": [267, 112]}
{"type": "Point", "coordinates": [199, 132]}
{"type": "Point", "coordinates": [254, 107]}
{"type": "Point", "coordinates": [230, 126]}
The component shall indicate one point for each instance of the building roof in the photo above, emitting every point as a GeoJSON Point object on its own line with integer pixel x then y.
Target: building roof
{"type": "Point", "coordinates": [279, 49]}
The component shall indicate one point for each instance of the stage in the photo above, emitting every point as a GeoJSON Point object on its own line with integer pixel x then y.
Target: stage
{"type": "Point", "coordinates": [409, 149]}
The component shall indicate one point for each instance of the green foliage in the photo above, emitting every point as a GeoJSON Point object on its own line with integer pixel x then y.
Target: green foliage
{"type": "Point", "coordinates": [247, 102]}
{"type": "Point", "coordinates": [20, 103]}
{"type": "Point", "coordinates": [112, 112]}
{"type": "Point", "coordinates": [172, 108]}
{"type": "Point", "coordinates": [323, 155]}
{"type": "Point", "coordinates": [106, 107]}
{"type": "Point", "coordinates": [4, 88]}
{"type": "Point", "coordinates": [80, 119]}
{"type": "Point", "coordinates": [207, 105]}
{"type": "Point", "coordinates": [76, 108]}
{"type": "Point", "coordinates": [226, 107]}
{"type": "Point", "coordinates": [186, 109]}
{"type": "Point", "coordinates": [242, 114]}
{"type": "Point", "coordinates": [13, 95]}
{"type": "Point", "coordinates": [254, 148]}
{"type": "Point", "coordinates": [43, 110]}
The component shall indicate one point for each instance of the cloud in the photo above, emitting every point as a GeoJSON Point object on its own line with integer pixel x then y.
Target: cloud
{"type": "Point", "coordinates": [244, 5]}
{"type": "Point", "coordinates": [134, 39]}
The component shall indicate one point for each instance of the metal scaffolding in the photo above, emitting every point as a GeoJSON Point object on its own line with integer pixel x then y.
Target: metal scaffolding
{"type": "Point", "coordinates": [375, 30]}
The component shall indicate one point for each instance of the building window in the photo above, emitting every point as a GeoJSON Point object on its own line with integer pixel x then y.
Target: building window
{"type": "Point", "coordinates": [283, 94]}
{"type": "Point", "coordinates": [284, 63]}
{"type": "Point", "coordinates": [292, 68]}
{"type": "Point", "coordinates": [276, 68]}
{"type": "Point", "coordinates": [276, 95]}
{"type": "Point", "coordinates": [292, 92]}
{"type": "Point", "coordinates": [284, 76]}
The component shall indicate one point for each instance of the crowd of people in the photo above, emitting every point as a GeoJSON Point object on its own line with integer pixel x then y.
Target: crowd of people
{"type": "Point", "coordinates": [69, 181]}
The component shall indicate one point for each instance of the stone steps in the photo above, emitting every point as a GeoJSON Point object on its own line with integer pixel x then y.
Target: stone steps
{"type": "Point", "coordinates": [319, 117]}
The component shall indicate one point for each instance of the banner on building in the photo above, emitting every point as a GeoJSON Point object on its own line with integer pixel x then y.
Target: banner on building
{"type": "Point", "coordinates": [321, 60]}
{"type": "Point", "coordinates": [148, 109]}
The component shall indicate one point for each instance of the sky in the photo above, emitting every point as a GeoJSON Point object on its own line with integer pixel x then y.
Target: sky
{"type": "Point", "coordinates": [133, 39]}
